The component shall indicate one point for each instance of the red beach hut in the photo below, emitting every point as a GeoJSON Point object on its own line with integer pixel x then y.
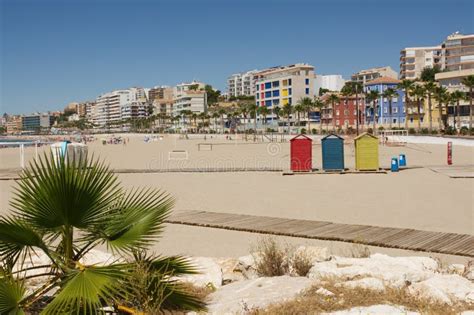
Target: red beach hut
{"type": "Point", "coordinates": [301, 153]}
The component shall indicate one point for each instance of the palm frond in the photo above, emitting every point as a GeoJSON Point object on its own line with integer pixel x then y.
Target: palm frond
{"type": "Point", "coordinates": [136, 220]}
{"type": "Point", "coordinates": [12, 293]}
{"type": "Point", "coordinates": [16, 237]}
{"type": "Point", "coordinates": [178, 265]}
{"type": "Point", "coordinates": [51, 194]}
{"type": "Point", "coordinates": [87, 289]}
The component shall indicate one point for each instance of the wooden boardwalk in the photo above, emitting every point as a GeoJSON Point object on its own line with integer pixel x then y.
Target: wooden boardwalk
{"type": "Point", "coordinates": [409, 239]}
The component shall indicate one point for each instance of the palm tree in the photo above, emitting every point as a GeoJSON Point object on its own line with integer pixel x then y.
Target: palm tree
{"type": "Point", "coordinates": [65, 208]}
{"type": "Point", "coordinates": [307, 106]}
{"type": "Point", "coordinates": [287, 111]}
{"type": "Point", "coordinates": [244, 110]}
{"type": "Point", "coordinates": [356, 88]}
{"type": "Point", "coordinates": [373, 97]}
{"type": "Point", "coordinates": [441, 96]}
{"type": "Point", "coordinates": [215, 115]}
{"type": "Point", "coordinates": [222, 112]}
{"type": "Point", "coordinates": [264, 111]}
{"type": "Point", "coordinates": [298, 110]}
{"type": "Point", "coordinates": [253, 109]}
{"type": "Point", "coordinates": [390, 94]}
{"type": "Point", "coordinates": [406, 86]}
{"type": "Point", "coordinates": [456, 97]}
{"type": "Point", "coordinates": [430, 88]}
{"type": "Point", "coordinates": [419, 93]}
{"type": "Point", "coordinates": [469, 83]}
{"type": "Point", "coordinates": [319, 104]}
{"type": "Point", "coordinates": [333, 99]}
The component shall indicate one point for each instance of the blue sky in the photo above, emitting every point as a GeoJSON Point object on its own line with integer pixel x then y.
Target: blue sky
{"type": "Point", "coordinates": [56, 52]}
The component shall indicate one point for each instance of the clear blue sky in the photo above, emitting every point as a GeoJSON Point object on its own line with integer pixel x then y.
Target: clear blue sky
{"type": "Point", "coordinates": [56, 52]}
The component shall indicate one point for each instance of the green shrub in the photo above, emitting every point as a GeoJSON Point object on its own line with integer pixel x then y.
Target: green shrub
{"type": "Point", "coordinates": [450, 131]}
{"type": "Point", "coordinates": [425, 131]}
{"type": "Point", "coordinates": [464, 131]}
{"type": "Point", "coordinates": [411, 131]}
{"type": "Point", "coordinates": [303, 131]}
{"type": "Point", "coordinates": [370, 130]}
{"type": "Point", "coordinates": [314, 131]}
{"type": "Point", "coordinates": [272, 260]}
{"type": "Point", "coordinates": [381, 128]}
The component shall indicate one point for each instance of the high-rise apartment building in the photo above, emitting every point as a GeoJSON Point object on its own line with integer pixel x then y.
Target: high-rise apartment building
{"type": "Point", "coordinates": [364, 76]}
{"type": "Point", "coordinates": [414, 59]}
{"type": "Point", "coordinates": [458, 52]}
{"type": "Point", "coordinates": [14, 124]}
{"type": "Point", "coordinates": [283, 85]}
{"type": "Point", "coordinates": [36, 122]}
{"type": "Point", "coordinates": [189, 96]}
{"type": "Point", "coordinates": [241, 84]}
{"type": "Point", "coordinates": [162, 99]}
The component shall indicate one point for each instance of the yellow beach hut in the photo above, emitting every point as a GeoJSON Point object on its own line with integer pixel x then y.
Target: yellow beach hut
{"type": "Point", "coordinates": [366, 152]}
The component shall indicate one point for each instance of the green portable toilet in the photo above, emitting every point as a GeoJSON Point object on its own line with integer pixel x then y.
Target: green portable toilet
{"type": "Point", "coordinates": [332, 152]}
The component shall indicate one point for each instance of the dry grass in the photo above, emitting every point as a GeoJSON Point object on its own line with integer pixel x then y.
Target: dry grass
{"type": "Point", "coordinates": [272, 258]}
{"type": "Point", "coordinates": [301, 263]}
{"type": "Point", "coordinates": [310, 302]}
{"type": "Point", "coordinates": [359, 251]}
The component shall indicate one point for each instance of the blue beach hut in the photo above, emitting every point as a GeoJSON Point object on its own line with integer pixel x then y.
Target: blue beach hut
{"type": "Point", "coordinates": [332, 152]}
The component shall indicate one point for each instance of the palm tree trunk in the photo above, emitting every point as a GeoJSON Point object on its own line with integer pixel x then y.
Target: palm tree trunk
{"type": "Point", "coordinates": [390, 113]}
{"type": "Point", "coordinates": [406, 110]}
{"type": "Point", "coordinates": [470, 111]}
{"type": "Point", "coordinates": [418, 105]}
{"type": "Point", "coordinates": [309, 123]}
{"type": "Point", "coordinates": [357, 113]}
{"type": "Point", "coordinates": [458, 114]}
{"type": "Point", "coordinates": [374, 116]}
{"type": "Point", "coordinates": [429, 112]}
{"type": "Point", "coordinates": [333, 117]}
{"type": "Point", "coordinates": [440, 112]}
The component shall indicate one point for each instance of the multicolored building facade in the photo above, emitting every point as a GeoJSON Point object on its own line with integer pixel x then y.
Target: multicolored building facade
{"type": "Point", "coordinates": [383, 115]}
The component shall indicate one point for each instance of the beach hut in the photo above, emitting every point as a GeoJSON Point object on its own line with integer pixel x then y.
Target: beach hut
{"type": "Point", "coordinates": [301, 153]}
{"type": "Point", "coordinates": [332, 152]}
{"type": "Point", "coordinates": [71, 151]}
{"type": "Point", "coordinates": [366, 152]}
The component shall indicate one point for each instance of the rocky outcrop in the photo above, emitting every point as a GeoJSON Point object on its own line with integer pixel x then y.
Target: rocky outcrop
{"type": "Point", "coordinates": [243, 296]}
{"type": "Point", "coordinates": [444, 288]}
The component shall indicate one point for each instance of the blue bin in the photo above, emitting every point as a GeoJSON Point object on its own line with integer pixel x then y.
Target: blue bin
{"type": "Point", "coordinates": [402, 160]}
{"type": "Point", "coordinates": [394, 166]}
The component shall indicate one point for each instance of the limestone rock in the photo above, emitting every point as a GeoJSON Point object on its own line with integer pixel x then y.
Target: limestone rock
{"type": "Point", "coordinates": [229, 272]}
{"type": "Point", "coordinates": [395, 271]}
{"type": "Point", "coordinates": [242, 296]}
{"type": "Point", "coordinates": [445, 288]}
{"type": "Point", "coordinates": [210, 273]}
{"type": "Point", "coordinates": [469, 271]}
{"type": "Point", "coordinates": [246, 265]}
{"type": "Point", "coordinates": [458, 269]}
{"type": "Point", "coordinates": [314, 253]}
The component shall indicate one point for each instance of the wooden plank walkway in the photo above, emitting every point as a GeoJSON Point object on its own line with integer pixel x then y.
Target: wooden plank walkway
{"type": "Point", "coordinates": [409, 239]}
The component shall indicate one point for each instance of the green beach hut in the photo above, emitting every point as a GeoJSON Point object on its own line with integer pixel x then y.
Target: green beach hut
{"type": "Point", "coordinates": [366, 152]}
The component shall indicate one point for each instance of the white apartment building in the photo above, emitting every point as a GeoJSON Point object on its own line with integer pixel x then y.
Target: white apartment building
{"type": "Point", "coordinates": [283, 85]}
{"type": "Point", "coordinates": [117, 105]}
{"type": "Point", "coordinates": [241, 84]}
{"type": "Point", "coordinates": [458, 52]}
{"type": "Point", "coordinates": [414, 59]}
{"type": "Point", "coordinates": [332, 82]}
{"type": "Point", "coordinates": [189, 96]}
{"type": "Point", "coordinates": [366, 75]}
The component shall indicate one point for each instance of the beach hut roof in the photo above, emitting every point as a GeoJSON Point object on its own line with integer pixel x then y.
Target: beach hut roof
{"type": "Point", "coordinates": [301, 136]}
{"type": "Point", "coordinates": [365, 134]}
{"type": "Point", "coordinates": [332, 135]}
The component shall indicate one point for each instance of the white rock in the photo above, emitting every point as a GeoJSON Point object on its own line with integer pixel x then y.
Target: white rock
{"type": "Point", "coordinates": [229, 271]}
{"type": "Point", "coordinates": [315, 254]}
{"type": "Point", "coordinates": [246, 265]}
{"type": "Point", "coordinates": [395, 271]}
{"type": "Point", "coordinates": [469, 272]}
{"type": "Point", "coordinates": [445, 288]}
{"type": "Point", "coordinates": [210, 273]}
{"type": "Point", "coordinates": [242, 296]}
{"type": "Point", "coordinates": [458, 269]}
{"type": "Point", "coordinates": [324, 291]}
{"type": "Point", "coordinates": [375, 310]}
{"type": "Point", "coordinates": [366, 283]}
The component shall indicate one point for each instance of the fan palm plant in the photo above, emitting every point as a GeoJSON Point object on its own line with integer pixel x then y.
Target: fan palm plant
{"type": "Point", "coordinates": [406, 86]}
{"type": "Point", "coordinates": [456, 97]}
{"type": "Point", "coordinates": [307, 106]}
{"type": "Point", "coordinates": [469, 83]}
{"type": "Point", "coordinates": [264, 111]}
{"type": "Point", "coordinates": [63, 210]}
{"type": "Point", "coordinates": [390, 94]}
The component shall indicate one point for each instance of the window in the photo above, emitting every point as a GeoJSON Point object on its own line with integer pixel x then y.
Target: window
{"type": "Point", "coordinates": [395, 99]}
{"type": "Point", "coordinates": [268, 85]}
{"type": "Point", "coordinates": [289, 101]}
{"type": "Point", "coordinates": [276, 93]}
{"type": "Point", "coordinates": [257, 86]}
{"type": "Point", "coordinates": [276, 83]}
{"type": "Point", "coordinates": [268, 94]}
{"type": "Point", "coordinates": [285, 82]}
{"type": "Point", "coordinates": [337, 122]}
{"type": "Point", "coordinates": [394, 120]}
{"type": "Point", "coordinates": [355, 111]}
{"type": "Point", "coordinates": [289, 91]}
{"type": "Point", "coordinates": [268, 103]}
{"type": "Point", "coordinates": [337, 112]}
{"type": "Point", "coordinates": [346, 112]}
{"type": "Point", "coordinates": [289, 81]}
{"type": "Point", "coordinates": [276, 101]}
{"type": "Point", "coordinates": [258, 96]}
{"type": "Point", "coordinates": [284, 92]}
{"type": "Point", "coordinates": [306, 91]}
{"type": "Point", "coordinates": [395, 110]}
{"type": "Point", "coordinates": [385, 110]}
{"type": "Point", "coordinates": [262, 95]}
{"type": "Point", "coordinates": [346, 122]}
{"type": "Point", "coordinates": [306, 81]}
{"type": "Point", "coordinates": [262, 86]}
{"type": "Point", "coordinates": [404, 110]}
{"type": "Point", "coordinates": [411, 119]}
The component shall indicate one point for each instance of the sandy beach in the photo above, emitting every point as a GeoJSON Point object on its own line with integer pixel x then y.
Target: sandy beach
{"type": "Point", "coordinates": [417, 198]}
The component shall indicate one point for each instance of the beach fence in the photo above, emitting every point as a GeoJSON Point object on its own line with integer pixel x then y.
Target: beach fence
{"type": "Point", "coordinates": [393, 137]}
{"type": "Point", "coordinates": [21, 146]}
